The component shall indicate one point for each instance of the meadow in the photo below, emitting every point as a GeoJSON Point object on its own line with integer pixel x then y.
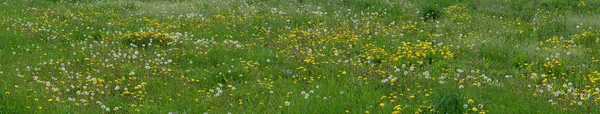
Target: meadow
{"type": "Point", "coordinates": [299, 56]}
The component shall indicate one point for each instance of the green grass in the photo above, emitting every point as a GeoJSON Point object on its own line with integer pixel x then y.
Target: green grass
{"type": "Point", "coordinates": [299, 56]}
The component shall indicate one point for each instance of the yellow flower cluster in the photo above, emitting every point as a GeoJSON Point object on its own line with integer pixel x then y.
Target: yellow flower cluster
{"type": "Point", "coordinates": [420, 51]}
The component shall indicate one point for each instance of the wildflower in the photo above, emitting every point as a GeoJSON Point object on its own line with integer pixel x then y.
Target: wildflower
{"type": "Point", "coordinates": [287, 103]}
{"type": "Point", "coordinates": [471, 101]}
{"type": "Point", "coordinates": [131, 73]}
{"type": "Point", "coordinates": [381, 105]}
{"type": "Point", "coordinates": [398, 107]}
{"type": "Point", "coordinates": [288, 72]}
{"type": "Point", "coordinates": [7, 93]}
{"type": "Point", "coordinates": [306, 96]}
{"type": "Point", "coordinates": [474, 109]}
{"type": "Point", "coordinates": [367, 112]}
{"type": "Point", "coordinates": [581, 3]}
{"type": "Point", "coordinates": [384, 80]}
{"type": "Point", "coordinates": [545, 80]}
{"type": "Point", "coordinates": [126, 93]}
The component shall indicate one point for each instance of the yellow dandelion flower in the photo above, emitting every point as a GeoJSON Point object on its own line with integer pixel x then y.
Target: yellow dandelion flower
{"type": "Point", "coordinates": [7, 93]}
{"type": "Point", "coordinates": [545, 80]}
{"type": "Point", "coordinates": [474, 109]}
{"type": "Point", "coordinates": [398, 107]}
{"type": "Point", "coordinates": [581, 3]}
{"type": "Point", "coordinates": [382, 104]}
{"type": "Point", "coordinates": [126, 93]}
{"type": "Point", "coordinates": [471, 101]}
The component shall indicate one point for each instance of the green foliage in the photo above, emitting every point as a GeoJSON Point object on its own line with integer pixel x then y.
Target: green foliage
{"type": "Point", "coordinates": [450, 104]}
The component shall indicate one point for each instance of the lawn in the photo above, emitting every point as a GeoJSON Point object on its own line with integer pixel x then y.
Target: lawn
{"type": "Point", "coordinates": [299, 56]}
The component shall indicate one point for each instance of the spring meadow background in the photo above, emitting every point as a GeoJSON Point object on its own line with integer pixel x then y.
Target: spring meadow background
{"type": "Point", "coordinates": [299, 56]}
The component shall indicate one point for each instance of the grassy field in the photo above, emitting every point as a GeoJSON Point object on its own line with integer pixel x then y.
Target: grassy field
{"type": "Point", "coordinates": [299, 56]}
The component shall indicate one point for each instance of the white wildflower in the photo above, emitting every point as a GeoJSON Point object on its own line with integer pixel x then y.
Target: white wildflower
{"type": "Point", "coordinates": [459, 70]}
